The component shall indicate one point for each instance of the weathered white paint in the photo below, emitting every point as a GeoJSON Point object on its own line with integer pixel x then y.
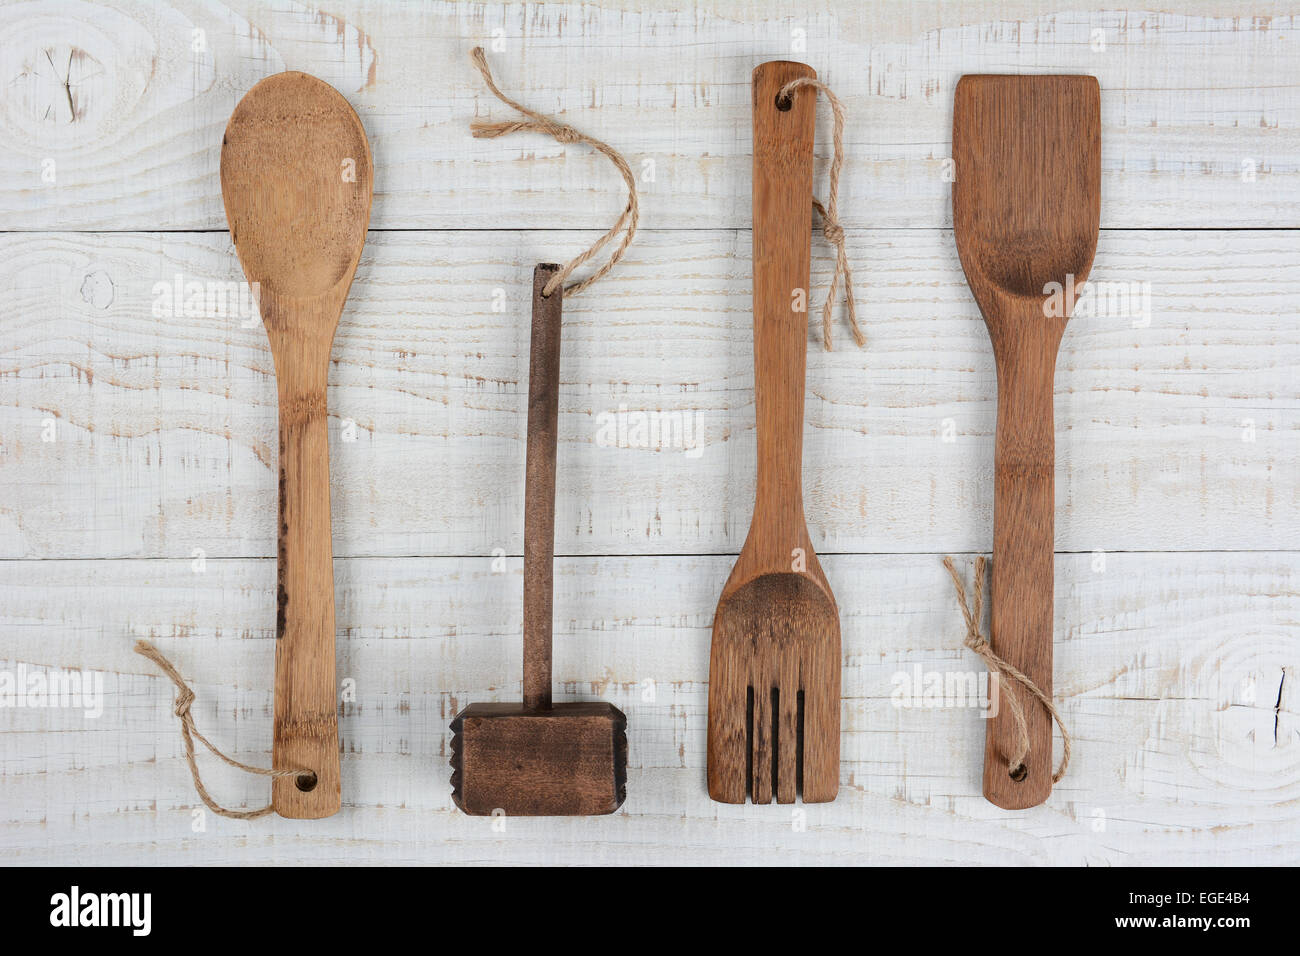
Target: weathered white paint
{"type": "Point", "coordinates": [151, 512]}
{"type": "Point", "coordinates": [1192, 102]}
{"type": "Point", "coordinates": [1169, 668]}
{"type": "Point", "coordinates": [166, 427]}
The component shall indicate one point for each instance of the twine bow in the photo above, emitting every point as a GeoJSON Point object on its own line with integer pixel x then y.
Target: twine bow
{"type": "Point", "coordinates": [978, 643]}
{"type": "Point", "coordinates": [829, 213]}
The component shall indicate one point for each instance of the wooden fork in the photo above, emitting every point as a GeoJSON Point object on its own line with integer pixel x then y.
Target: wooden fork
{"type": "Point", "coordinates": [774, 671]}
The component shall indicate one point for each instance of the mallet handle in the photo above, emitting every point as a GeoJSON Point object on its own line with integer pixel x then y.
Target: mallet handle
{"type": "Point", "coordinates": [539, 488]}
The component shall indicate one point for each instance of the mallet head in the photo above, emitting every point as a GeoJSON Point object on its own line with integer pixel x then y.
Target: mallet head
{"type": "Point", "coordinates": [566, 760]}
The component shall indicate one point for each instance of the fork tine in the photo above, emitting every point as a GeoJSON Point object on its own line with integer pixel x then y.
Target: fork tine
{"type": "Point", "coordinates": [821, 763]}
{"type": "Point", "coordinates": [762, 745]}
{"type": "Point", "coordinates": [728, 738]}
{"type": "Point", "coordinates": [787, 777]}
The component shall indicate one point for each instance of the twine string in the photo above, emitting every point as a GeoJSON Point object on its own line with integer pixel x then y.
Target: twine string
{"type": "Point", "coordinates": [563, 133]}
{"type": "Point", "coordinates": [978, 643]}
{"type": "Point", "coordinates": [184, 698]}
{"type": "Point", "coordinates": [830, 217]}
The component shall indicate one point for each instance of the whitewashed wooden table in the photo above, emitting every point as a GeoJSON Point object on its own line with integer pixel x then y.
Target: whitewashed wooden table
{"type": "Point", "coordinates": [137, 451]}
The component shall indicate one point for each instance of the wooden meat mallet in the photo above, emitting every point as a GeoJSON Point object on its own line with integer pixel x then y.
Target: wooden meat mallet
{"type": "Point", "coordinates": [540, 758]}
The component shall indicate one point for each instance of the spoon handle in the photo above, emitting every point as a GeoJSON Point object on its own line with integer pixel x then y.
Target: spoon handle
{"type": "Point", "coordinates": [1023, 553]}
{"type": "Point", "coordinates": [306, 712]}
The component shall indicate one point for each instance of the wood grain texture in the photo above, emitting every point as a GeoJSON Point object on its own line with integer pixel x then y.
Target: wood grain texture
{"type": "Point", "coordinates": [539, 485]}
{"type": "Point", "coordinates": [1026, 202]}
{"type": "Point", "coordinates": [1175, 673]}
{"type": "Point", "coordinates": [297, 180]}
{"type": "Point", "coordinates": [1179, 434]}
{"type": "Point", "coordinates": [1201, 113]}
{"type": "Point", "coordinates": [565, 760]}
{"type": "Point", "coordinates": [774, 681]}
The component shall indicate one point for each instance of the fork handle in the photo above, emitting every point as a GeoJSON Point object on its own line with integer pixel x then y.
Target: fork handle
{"type": "Point", "coordinates": [783, 176]}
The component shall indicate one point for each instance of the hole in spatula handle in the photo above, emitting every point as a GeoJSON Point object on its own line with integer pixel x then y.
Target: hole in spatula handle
{"type": "Point", "coordinates": [1018, 773]}
{"type": "Point", "coordinates": [306, 782]}
{"type": "Point", "coordinates": [784, 102]}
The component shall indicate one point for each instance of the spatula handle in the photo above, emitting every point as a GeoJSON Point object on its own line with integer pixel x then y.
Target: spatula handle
{"type": "Point", "coordinates": [783, 175]}
{"type": "Point", "coordinates": [539, 487]}
{"type": "Point", "coordinates": [306, 709]}
{"type": "Point", "coordinates": [1023, 554]}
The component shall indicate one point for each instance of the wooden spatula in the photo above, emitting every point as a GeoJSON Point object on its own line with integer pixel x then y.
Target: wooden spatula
{"type": "Point", "coordinates": [774, 670]}
{"type": "Point", "coordinates": [1026, 211]}
{"type": "Point", "coordinates": [296, 179]}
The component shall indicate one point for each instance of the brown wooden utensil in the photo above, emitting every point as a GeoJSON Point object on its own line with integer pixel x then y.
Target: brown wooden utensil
{"type": "Point", "coordinates": [774, 670]}
{"type": "Point", "coordinates": [296, 179]}
{"type": "Point", "coordinates": [540, 758]}
{"type": "Point", "coordinates": [1026, 212]}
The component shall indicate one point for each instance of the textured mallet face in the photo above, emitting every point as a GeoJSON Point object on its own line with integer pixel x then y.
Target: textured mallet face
{"type": "Point", "coordinates": [570, 760]}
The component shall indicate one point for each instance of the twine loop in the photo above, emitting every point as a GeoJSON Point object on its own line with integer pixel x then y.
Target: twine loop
{"type": "Point", "coordinates": [189, 733]}
{"type": "Point", "coordinates": [829, 213]}
{"type": "Point", "coordinates": [566, 134]}
{"type": "Point", "coordinates": [979, 644]}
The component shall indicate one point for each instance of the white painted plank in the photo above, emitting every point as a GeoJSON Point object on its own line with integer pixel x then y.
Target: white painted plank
{"type": "Point", "coordinates": [1193, 103]}
{"type": "Point", "coordinates": [165, 428]}
{"type": "Point", "coordinates": [1169, 668]}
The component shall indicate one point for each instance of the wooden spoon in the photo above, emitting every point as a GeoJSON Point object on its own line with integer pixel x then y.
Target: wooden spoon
{"type": "Point", "coordinates": [1026, 211]}
{"type": "Point", "coordinates": [296, 178]}
{"type": "Point", "coordinates": [774, 669]}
